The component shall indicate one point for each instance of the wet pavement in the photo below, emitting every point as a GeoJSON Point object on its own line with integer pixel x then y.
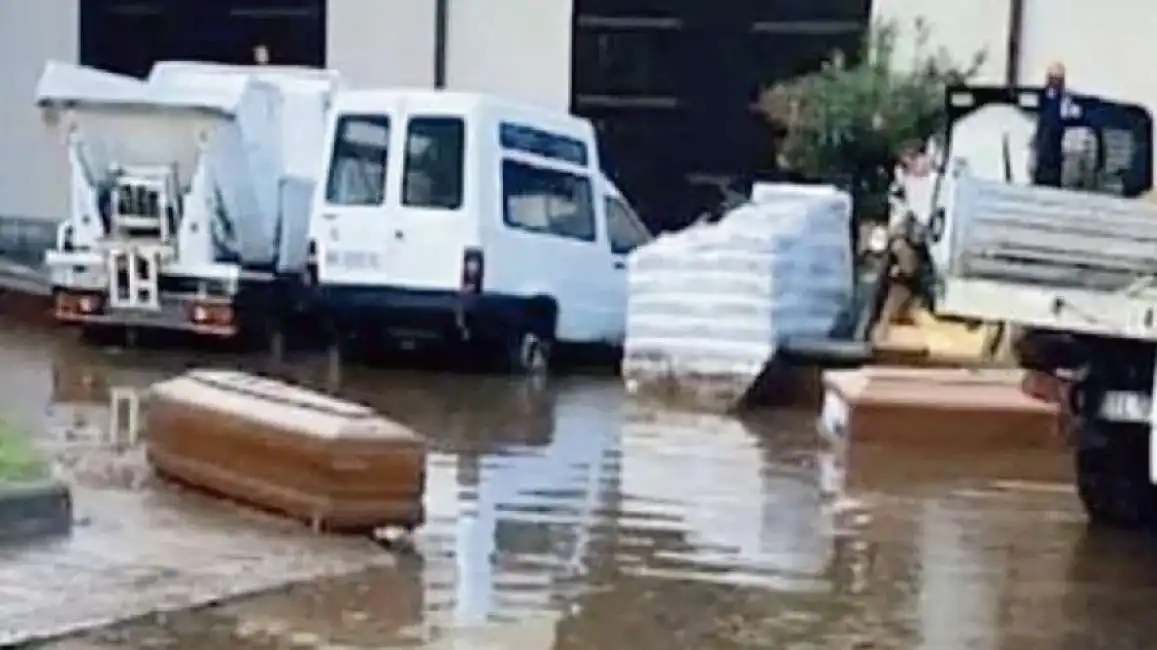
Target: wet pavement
{"type": "Point", "coordinates": [573, 519]}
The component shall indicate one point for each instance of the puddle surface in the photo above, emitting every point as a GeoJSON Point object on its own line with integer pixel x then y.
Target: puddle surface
{"type": "Point", "coordinates": [572, 519]}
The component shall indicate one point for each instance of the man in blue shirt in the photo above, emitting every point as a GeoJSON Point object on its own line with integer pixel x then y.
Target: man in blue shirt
{"type": "Point", "coordinates": [1050, 129]}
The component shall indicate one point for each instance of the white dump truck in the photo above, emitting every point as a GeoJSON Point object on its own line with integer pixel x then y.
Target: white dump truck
{"type": "Point", "coordinates": [471, 220]}
{"type": "Point", "coordinates": [190, 194]}
{"type": "Point", "coordinates": [1075, 267]}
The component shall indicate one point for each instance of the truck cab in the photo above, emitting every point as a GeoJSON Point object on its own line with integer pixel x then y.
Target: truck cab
{"type": "Point", "coordinates": [465, 218]}
{"type": "Point", "coordinates": [1075, 269]}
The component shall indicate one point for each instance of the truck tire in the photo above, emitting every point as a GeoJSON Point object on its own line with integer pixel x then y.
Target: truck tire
{"type": "Point", "coordinates": [1112, 468]}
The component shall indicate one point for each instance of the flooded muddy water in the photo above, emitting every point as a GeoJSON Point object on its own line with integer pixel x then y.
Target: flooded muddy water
{"type": "Point", "coordinates": [571, 518]}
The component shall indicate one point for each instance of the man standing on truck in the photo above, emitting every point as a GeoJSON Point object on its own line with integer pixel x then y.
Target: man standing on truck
{"type": "Point", "coordinates": [1050, 129]}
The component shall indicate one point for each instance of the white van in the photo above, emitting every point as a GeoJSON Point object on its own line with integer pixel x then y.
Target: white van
{"type": "Point", "coordinates": [469, 218]}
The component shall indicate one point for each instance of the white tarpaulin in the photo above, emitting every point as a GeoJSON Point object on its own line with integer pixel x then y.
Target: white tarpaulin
{"type": "Point", "coordinates": [708, 306]}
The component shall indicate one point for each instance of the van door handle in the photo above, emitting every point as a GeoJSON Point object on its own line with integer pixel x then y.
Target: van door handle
{"type": "Point", "coordinates": [620, 264]}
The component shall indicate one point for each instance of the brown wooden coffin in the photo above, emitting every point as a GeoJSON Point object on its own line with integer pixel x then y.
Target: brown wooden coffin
{"type": "Point", "coordinates": [334, 464]}
{"type": "Point", "coordinates": [942, 408]}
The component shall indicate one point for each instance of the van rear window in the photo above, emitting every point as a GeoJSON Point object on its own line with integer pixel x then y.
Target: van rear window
{"type": "Point", "coordinates": [434, 159]}
{"type": "Point", "coordinates": [357, 168]}
{"type": "Point", "coordinates": [527, 139]}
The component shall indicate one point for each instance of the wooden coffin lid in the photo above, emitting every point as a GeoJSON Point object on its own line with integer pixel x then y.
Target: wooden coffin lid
{"type": "Point", "coordinates": [281, 405]}
{"type": "Point", "coordinates": [988, 389]}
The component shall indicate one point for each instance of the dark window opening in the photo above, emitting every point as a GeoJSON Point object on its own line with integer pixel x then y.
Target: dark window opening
{"type": "Point", "coordinates": [816, 12]}
{"type": "Point", "coordinates": [435, 155]}
{"type": "Point", "coordinates": [627, 62]}
{"type": "Point", "coordinates": [672, 87]}
{"type": "Point", "coordinates": [357, 170]}
{"type": "Point", "coordinates": [625, 8]}
{"type": "Point", "coordinates": [547, 201]}
{"type": "Point", "coordinates": [129, 36]}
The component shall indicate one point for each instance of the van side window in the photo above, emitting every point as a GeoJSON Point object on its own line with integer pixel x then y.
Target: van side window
{"type": "Point", "coordinates": [434, 158]}
{"type": "Point", "coordinates": [624, 229]}
{"type": "Point", "coordinates": [547, 201]}
{"type": "Point", "coordinates": [528, 139]}
{"type": "Point", "coordinates": [357, 169]}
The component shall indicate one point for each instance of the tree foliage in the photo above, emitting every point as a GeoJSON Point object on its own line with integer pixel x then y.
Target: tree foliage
{"type": "Point", "coordinates": [846, 122]}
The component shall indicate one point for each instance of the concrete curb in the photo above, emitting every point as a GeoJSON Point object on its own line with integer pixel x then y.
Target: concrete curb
{"type": "Point", "coordinates": [34, 509]}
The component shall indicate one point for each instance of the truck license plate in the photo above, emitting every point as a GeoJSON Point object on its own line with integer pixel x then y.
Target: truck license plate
{"type": "Point", "coordinates": [1126, 406]}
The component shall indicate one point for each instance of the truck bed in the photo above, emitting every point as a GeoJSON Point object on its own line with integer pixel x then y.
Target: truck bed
{"type": "Point", "coordinates": [1050, 258]}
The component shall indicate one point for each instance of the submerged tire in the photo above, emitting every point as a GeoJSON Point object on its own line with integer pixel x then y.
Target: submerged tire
{"type": "Point", "coordinates": [527, 346]}
{"type": "Point", "coordinates": [1112, 467]}
{"type": "Point", "coordinates": [527, 354]}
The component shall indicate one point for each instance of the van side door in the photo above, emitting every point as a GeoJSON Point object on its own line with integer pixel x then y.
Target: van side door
{"type": "Point", "coordinates": [550, 217]}
{"type": "Point", "coordinates": [432, 226]}
{"type": "Point", "coordinates": [349, 225]}
{"type": "Point", "coordinates": [553, 225]}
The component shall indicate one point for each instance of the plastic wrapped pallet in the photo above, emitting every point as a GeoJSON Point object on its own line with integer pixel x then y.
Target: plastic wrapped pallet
{"type": "Point", "coordinates": [708, 306]}
{"type": "Point", "coordinates": [334, 464]}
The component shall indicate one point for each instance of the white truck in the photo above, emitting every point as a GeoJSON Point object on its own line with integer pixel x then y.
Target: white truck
{"type": "Point", "coordinates": [190, 195]}
{"type": "Point", "coordinates": [468, 219]}
{"type": "Point", "coordinates": [1076, 269]}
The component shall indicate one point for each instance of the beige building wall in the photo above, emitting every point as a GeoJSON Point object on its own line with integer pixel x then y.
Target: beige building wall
{"type": "Point", "coordinates": [32, 157]}
{"type": "Point", "coordinates": [1105, 44]}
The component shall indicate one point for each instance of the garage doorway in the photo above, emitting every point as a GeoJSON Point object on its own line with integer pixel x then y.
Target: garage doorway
{"type": "Point", "coordinates": [128, 36]}
{"type": "Point", "coordinates": [671, 85]}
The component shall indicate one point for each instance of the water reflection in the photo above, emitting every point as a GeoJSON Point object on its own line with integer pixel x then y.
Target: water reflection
{"type": "Point", "coordinates": [570, 518]}
{"type": "Point", "coordinates": [540, 500]}
{"type": "Point", "coordinates": [93, 423]}
{"type": "Point", "coordinates": [739, 515]}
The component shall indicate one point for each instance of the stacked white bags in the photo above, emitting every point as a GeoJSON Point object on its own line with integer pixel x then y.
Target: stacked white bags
{"type": "Point", "coordinates": [708, 306]}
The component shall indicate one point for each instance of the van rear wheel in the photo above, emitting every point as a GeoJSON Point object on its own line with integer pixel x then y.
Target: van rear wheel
{"type": "Point", "coordinates": [526, 354]}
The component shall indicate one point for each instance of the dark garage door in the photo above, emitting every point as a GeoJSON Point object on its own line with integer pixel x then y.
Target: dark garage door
{"type": "Point", "coordinates": [669, 83]}
{"type": "Point", "coordinates": [128, 36]}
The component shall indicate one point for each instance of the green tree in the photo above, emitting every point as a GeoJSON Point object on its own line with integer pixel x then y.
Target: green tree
{"type": "Point", "coordinates": [845, 123]}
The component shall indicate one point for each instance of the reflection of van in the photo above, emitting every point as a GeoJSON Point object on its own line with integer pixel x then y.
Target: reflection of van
{"type": "Point", "coordinates": [465, 217]}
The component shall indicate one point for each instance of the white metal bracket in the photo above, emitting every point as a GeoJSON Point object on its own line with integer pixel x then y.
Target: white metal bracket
{"type": "Point", "coordinates": [134, 278]}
